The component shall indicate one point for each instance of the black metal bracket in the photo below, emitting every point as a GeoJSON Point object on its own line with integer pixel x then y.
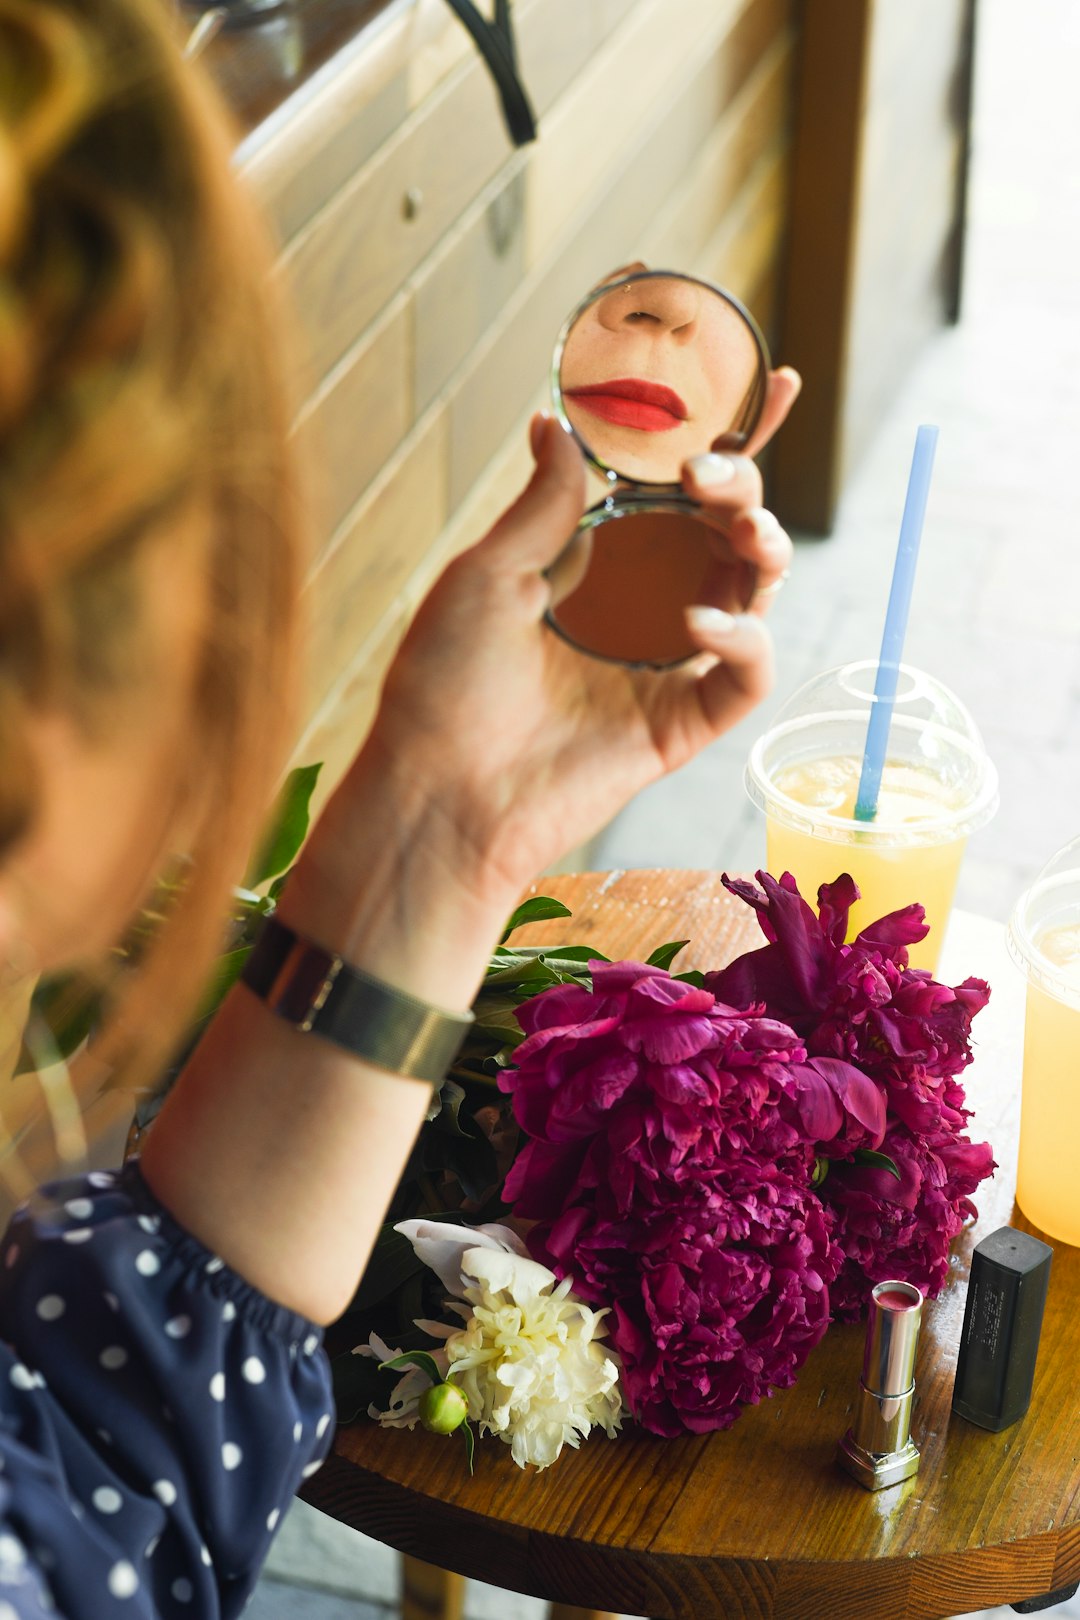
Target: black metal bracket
{"type": "Point", "coordinates": [495, 42]}
{"type": "Point", "coordinates": [1050, 1600]}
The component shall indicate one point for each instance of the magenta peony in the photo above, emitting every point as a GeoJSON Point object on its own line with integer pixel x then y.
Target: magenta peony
{"type": "Point", "coordinates": [862, 1004]}
{"type": "Point", "coordinates": [671, 1146]}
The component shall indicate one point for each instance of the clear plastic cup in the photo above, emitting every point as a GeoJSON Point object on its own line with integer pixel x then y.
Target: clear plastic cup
{"type": "Point", "coordinates": [938, 786]}
{"type": "Point", "coordinates": [1044, 938]}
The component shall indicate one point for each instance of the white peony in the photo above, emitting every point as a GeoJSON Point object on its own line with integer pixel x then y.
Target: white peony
{"type": "Point", "coordinates": [528, 1357]}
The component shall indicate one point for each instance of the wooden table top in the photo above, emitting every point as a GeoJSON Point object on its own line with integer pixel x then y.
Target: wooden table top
{"type": "Point", "coordinates": [759, 1522]}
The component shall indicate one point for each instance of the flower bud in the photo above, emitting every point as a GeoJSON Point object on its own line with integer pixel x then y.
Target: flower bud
{"type": "Point", "coordinates": [443, 1408]}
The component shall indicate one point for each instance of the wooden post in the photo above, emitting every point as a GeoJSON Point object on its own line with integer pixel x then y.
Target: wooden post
{"type": "Point", "coordinates": [566, 1611]}
{"type": "Point", "coordinates": [876, 226]}
{"type": "Point", "coordinates": [428, 1593]}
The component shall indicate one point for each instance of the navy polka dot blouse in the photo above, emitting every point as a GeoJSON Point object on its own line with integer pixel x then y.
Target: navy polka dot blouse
{"type": "Point", "coordinates": [156, 1412]}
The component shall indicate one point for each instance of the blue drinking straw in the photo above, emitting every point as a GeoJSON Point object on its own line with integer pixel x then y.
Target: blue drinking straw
{"type": "Point", "coordinates": [896, 618]}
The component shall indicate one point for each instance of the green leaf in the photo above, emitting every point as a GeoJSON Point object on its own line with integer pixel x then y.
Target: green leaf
{"type": "Point", "coordinates": [415, 1358]}
{"type": "Point", "coordinates": [530, 971]}
{"type": "Point", "coordinates": [393, 1261]}
{"type": "Point", "coordinates": [448, 1119]}
{"type": "Point", "coordinates": [409, 1302]}
{"type": "Point", "coordinates": [821, 1170]}
{"type": "Point", "coordinates": [224, 974]}
{"type": "Point", "coordinates": [555, 956]}
{"type": "Point", "coordinates": [499, 1026]}
{"type": "Point", "coordinates": [880, 1160]}
{"type": "Point", "coordinates": [287, 828]}
{"type": "Point", "coordinates": [357, 1382]}
{"type": "Point", "coordinates": [470, 1443]}
{"type": "Point", "coordinates": [69, 1007]}
{"type": "Point", "coordinates": [692, 976]}
{"type": "Point", "coordinates": [664, 955]}
{"type": "Point", "coordinates": [539, 909]}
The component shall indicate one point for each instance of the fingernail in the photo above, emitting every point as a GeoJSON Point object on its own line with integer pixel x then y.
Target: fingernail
{"type": "Point", "coordinates": [710, 621]}
{"type": "Point", "coordinates": [768, 529]}
{"type": "Point", "coordinates": [764, 521]}
{"type": "Point", "coordinates": [711, 469]}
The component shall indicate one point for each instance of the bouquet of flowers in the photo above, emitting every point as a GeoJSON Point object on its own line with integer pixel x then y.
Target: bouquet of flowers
{"type": "Point", "coordinates": [701, 1170]}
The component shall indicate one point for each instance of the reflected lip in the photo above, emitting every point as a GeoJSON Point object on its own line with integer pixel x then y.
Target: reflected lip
{"type": "Point", "coordinates": [632, 402]}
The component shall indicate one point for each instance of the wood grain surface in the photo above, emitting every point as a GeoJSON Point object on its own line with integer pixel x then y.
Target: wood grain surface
{"type": "Point", "coordinates": [759, 1522]}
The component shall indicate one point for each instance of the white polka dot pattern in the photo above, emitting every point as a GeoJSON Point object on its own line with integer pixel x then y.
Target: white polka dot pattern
{"type": "Point", "coordinates": [123, 1581]}
{"type": "Point", "coordinates": [12, 1552]}
{"type": "Point", "coordinates": [23, 1378]}
{"type": "Point", "coordinates": [101, 1283]}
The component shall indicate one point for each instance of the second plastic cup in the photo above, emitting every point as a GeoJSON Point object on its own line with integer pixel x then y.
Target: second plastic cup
{"type": "Point", "coordinates": [938, 786]}
{"type": "Point", "coordinates": [1044, 937]}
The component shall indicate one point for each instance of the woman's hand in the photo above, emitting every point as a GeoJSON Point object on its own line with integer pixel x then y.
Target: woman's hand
{"type": "Point", "coordinates": [497, 746]}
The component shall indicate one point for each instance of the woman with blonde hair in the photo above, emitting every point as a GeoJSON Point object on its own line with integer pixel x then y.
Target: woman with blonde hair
{"type": "Point", "coordinates": [162, 1384]}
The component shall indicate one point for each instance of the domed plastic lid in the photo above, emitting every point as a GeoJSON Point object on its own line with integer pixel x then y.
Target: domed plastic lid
{"type": "Point", "coordinates": [1044, 930]}
{"type": "Point", "coordinates": [820, 736]}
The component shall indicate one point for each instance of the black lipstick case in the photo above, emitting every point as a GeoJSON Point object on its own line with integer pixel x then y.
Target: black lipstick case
{"type": "Point", "coordinates": [1010, 1272]}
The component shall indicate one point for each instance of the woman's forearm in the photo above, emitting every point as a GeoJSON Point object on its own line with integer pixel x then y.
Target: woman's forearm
{"type": "Point", "coordinates": [279, 1150]}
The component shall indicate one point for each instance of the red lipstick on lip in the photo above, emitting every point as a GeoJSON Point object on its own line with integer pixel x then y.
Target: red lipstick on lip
{"type": "Point", "coordinates": [632, 402]}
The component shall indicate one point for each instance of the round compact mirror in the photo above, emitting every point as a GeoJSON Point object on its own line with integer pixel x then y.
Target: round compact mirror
{"type": "Point", "coordinates": [651, 369]}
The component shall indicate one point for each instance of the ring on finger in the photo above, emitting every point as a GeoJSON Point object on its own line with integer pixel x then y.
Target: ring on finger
{"type": "Point", "coordinates": [773, 586]}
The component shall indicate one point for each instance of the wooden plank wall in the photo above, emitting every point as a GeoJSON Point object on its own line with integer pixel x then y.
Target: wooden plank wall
{"type": "Point", "coordinates": [431, 265]}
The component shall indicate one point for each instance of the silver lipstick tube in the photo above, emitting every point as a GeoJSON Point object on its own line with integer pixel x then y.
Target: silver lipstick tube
{"type": "Point", "coordinates": [878, 1449]}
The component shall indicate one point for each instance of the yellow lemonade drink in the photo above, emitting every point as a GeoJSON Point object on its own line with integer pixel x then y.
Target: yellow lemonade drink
{"type": "Point", "coordinates": [938, 785]}
{"type": "Point", "coordinates": [1047, 1182]}
{"type": "Point", "coordinates": [915, 864]}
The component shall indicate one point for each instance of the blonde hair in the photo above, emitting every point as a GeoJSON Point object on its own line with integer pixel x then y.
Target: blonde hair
{"type": "Point", "coordinates": [139, 368]}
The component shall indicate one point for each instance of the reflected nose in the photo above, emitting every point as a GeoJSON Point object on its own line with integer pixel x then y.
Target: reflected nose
{"type": "Point", "coordinates": [664, 304]}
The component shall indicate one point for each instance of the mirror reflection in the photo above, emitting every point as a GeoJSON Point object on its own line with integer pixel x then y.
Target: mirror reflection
{"type": "Point", "coordinates": [651, 369]}
{"type": "Point", "coordinates": [657, 367]}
